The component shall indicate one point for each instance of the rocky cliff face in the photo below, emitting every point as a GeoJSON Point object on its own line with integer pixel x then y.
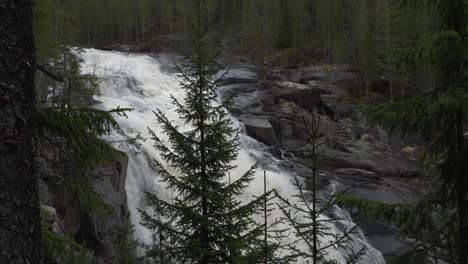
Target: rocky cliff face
{"type": "Point", "coordinates": [64, 217]}
{"type": "Point", "coordinates": [367, 161]}
{"type": "Point", "coordinates": [61, 213]}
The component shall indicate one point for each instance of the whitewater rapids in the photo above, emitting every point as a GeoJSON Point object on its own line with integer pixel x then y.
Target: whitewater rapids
{"type": "Point", "coordinates": [144, 83]}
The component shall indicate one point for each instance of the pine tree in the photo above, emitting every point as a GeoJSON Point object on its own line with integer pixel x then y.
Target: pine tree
{"type": "Point", "coordinates": [273, 236]}
{"type": "Point", "coordinates": [205, 216]}
{"type": "Point", "coordinates": [307, 215]}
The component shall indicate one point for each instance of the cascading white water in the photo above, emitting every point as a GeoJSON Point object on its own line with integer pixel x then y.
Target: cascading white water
{"type": "Point", "coordinates": [138, 81]}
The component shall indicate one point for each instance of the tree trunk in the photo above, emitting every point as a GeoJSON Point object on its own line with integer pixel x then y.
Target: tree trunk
{"type": "Point", "coordinates": [314, 193]}
{"type": "Point", "coordinates": [20, 228]}
{"type": "Point", "coordinates": [388, 44]}
{"type": "Point", "coordinates": [265, 215]}
{"type": "Point", "coordinates": [461, 193]}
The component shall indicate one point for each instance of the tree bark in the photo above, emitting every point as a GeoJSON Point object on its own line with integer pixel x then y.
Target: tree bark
{"type": "Point", "coordinates": [20, 227]}
{"type": "Point", "coordinates": [461, 192]}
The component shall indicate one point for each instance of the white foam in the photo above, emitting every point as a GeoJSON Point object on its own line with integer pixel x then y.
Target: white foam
{"type": "Point", "coordinates": [137, 81]}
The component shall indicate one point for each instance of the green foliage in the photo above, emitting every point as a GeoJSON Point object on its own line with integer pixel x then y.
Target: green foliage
{"type": "Point", "coordinates": [430, 220]}
{"type": "Point", "coordinates": [46, 44]}
{"type": "Point", "coordinates": [422, 114]}
{"type": "Point", "coordinates": [82, 128]}
{"type": "Point", "coordinates": [328, 31]}
{"type": "Point", "coordinates": [85, 198]}
{"type": "Point", "coordinates": [442, 52]}
{"type": "Point", "coordinates": [203, 223]}
{"type": "Point", "coordinates": [162, 250]}
{"type": "Point", "coordinates": [71, 134]}
{"type": "Point", "coordinates": [76, 133]}
{"type": "Point", "coordinates": [311, 216]}
{"type": "Point", "coordinates": [409, 218]}
{"type": "Point", "coordinates": [270, 245]}
{"type": "Point", "coordinates": [62, 248]}
{"type": "Point", "coordinates": [305, 221]}
{"type": "Point", "coordinates": [55, 26]}
{"type": "Point", "coordinates": [126, 245]}
{"type": "Point", "coordinates": [438, 114]}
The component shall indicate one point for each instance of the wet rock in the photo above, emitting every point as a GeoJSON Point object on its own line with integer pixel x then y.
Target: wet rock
{"type": "Point", "coordinates": [278, 75]}
{"type": "Point", "coordinates": [237, 80]}
{"type": "Point", "coordinates": [383, 237]}
{"type": "Point", "coordinates": [341, 78]}
{"type": "Point", "coordinates": [85, 101]}
{"type": "Point", "coordinates": [338, 110]}
{"type": "Point", "coordinates": [336, 90]}
{"type": "Point", "coordinates": [259, 128]}
{"type": "Point", "coordinates": [291, 134]}
{"type": "Point", "coordinates": [97, 232]}
{"type": "Point", "coordinates": [292, 85]}
{"type": "Point", "coordinates": [359, 158]}
{"type": "Point", "coordinates": [354, 171]}
{"type": "Point", "coordinates": [101, 230]}
{"type": "Point", "coordinates": [308, 99]}
{"type": "Point", "coordinates": [276, 152]}
{"type": "Point", "coordinates": [303, 75]}
{"type": "Point", "coordinates": [408, 150]}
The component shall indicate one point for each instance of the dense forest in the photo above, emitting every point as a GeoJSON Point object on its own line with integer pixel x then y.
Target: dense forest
{"type": "Point", "coordinates": [300, 131]}
{"type": "Point", "coordinates": [363, 33]}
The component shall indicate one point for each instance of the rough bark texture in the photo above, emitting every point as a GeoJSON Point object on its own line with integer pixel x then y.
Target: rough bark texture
{"type": "Point", "coordinates": [20, 229]}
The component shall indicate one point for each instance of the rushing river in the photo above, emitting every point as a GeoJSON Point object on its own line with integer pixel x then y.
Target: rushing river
{"type": "Point", "coordinates": [145, 83]}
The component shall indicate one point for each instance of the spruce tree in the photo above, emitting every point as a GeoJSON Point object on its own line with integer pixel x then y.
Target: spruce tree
{"type": "Point", "coordinates": [208, 226]}
{"type": "Point", "coordinates": [307, 217]}
{"type": "Point", "coordinates": [271, 245]}
{"type": "Point", "coordinates": [125, 244]}
{"type": "Point", "coordinates": [75, 134]}
{"type": "Point", "coordinates": [442, 109]}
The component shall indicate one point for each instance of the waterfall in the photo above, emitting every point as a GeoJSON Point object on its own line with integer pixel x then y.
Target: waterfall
{"type": "Point", "coordinates": [143, 83]}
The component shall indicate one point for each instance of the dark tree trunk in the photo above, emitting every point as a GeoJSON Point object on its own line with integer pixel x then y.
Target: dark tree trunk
{"type": "Point", "coordinates": [20, 229]}
{"type": "Point", "coordinates": [461, 192]}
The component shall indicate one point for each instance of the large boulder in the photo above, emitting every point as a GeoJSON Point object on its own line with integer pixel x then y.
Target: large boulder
{"type": "Point", "coordinates": [237, 76]}
{"type": "Point", "coordinates": [259, 128]}
{"type": "Point", "coordinates": [308, 99]}
{"type": "Point", "coordinates": [303, 75]}
{"type": "Point", "coordinates": [237, 80]}
{"type": "Point", "coordinates": [339, 110]}
{"type": "Point", "coordinates": [292, 86]}
{"type": "Point", "coordinates": [332, 74]}
{"type": "Point", "coordinates": [291, 134]}
{"type": "Point", "coordinates": [382, 237]}
{"type": "Point", "coordinates": [329, 88]}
